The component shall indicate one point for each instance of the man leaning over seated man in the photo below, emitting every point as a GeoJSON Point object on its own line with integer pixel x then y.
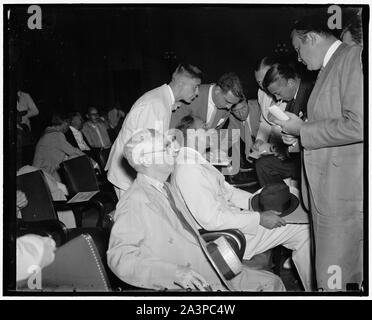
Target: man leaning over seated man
{"type": "Point", "coordinates": [150, 247]}
{"type": "Point", "coordinates": [216, 205]}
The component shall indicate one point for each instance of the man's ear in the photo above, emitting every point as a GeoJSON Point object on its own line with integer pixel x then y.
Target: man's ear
{"type": "Point", "coordinates": [291, 83]}
{"type": "Point", "coordinates": [217, 89]}
{"type": "Point", "coordinates": [313, 37]}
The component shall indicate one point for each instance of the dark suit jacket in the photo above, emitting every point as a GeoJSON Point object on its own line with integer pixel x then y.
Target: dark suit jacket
{"type": "Point", "coordinates": [199, 108]}
{"type": "Point", "coordinates": [71, 139]}
{"type": "Point", "coordinates": [300, 103]}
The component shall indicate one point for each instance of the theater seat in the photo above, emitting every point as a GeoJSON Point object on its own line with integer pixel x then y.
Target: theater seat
{"type": "Point", "coordinates": [77, 267]}
{"type": "Point", "coordinates": [39, 216]}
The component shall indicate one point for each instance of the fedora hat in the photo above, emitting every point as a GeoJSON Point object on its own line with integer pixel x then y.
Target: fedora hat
{"type": "Point", "coordinates": [277, 197]}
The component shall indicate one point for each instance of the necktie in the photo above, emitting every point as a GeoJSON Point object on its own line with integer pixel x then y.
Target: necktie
{"type": "Point", "coordinates": [290, 106]}
{"type": "Point", "coordinates": [195, 233]}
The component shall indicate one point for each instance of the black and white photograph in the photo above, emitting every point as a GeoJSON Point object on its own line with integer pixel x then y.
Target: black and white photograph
{"type": "Point", "coordinates": [185, 150]}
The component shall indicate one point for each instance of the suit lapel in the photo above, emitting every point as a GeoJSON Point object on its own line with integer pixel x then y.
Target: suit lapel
{"type": "Point", "coordinates": [162, 207]}
{"type": "Point", "coordinates": [203, 104]}
{"type": "Point", "coordinates": [321, 80]}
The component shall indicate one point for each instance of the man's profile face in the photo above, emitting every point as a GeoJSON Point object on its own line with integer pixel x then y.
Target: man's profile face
{"type": "Point", "coordinates": [64, 127]}
{"type": "Point", "coordinates": [225, 100]}
{"type": "Point", "coordinates": [190, 89]}
{"type": "Point", "coordinates": [283, 89]}
{"type": "Point", "coordinates": [308, 51]}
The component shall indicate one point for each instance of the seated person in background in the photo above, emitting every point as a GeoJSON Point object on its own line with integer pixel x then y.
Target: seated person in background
{"type": "Point", "coordinates": [74, 135]}
{"type": "Point", "coordinates": [282, 81]}
{"type": "Point", "coordinates": [116, 117]}
{"type": "Point", "coordinates": [95, 130]}
{"type": "Point", "coordinates": [58, 191]}
{"type": "Point", "coordinates": [150, 246]}
{"type": "Point", "coordinates": [216, 205]}
{"type": "Point", "coordinates": [53, 148]}
{"type": "Point", "coordinates": [33, 253]}
{"type": "Point", "coordinates": [25, 143]}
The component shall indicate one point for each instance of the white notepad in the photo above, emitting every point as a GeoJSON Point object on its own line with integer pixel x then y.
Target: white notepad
{"type": "Point", "coordinates": [82, 196]}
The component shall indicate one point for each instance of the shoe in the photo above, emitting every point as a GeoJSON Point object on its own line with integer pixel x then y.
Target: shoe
{"type": "Point", "coordinates": [245, 166]}
{"type": "Point", "coordinates": [242, 179]}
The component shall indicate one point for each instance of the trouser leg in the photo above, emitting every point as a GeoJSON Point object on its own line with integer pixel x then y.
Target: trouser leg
{"type": "Point", "coordinates": [293, 237]}
{"type": "Point", "coordinates": [338, 249]}
{"type": "Point", "coordinates": [271, 169]}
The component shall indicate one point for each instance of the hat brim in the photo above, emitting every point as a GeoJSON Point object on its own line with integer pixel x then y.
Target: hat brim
{"type": "Point", "coordinates": [294, 202]}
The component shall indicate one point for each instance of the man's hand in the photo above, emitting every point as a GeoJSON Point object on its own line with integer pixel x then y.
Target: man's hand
{"type": "Point", "coordinates": [21, 200]}
{"type": "Point", "coordinates": [270, 219]}
{"type": "Point", "coordinates": [256, 146]}
{"type": "Point", "coordinates": [289, 139]}
{"type": "Point", "coordinates": [48, 252]}
{"type": "Point", "coordinates": [291, 126]}
{"type": "Point", "coordinates": [190, 279]}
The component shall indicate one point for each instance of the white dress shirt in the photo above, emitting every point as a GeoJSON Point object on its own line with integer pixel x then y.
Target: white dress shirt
{"type": "Point", "coordinates": [151, 111]}
{"type": "Point", "coordinates": [265, 129]}
{"type": "Point", "coordinates": [211, 106]}
{"type": "Point", "coordinates": [331, 50]}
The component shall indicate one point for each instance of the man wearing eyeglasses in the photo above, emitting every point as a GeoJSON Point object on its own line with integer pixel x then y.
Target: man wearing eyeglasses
{"type": "Point", "coordinates": [154, 242]}
{"type": "Point", "coordinates": [95, 130]}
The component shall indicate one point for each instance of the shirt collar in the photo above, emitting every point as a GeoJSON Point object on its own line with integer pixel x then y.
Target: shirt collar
{"type": "Point", "coordinates": [74, 129]}
{"type": "Point", "coordinates": [155, 183]}
{"type": "Point", "coordinates": [210, 98]}
{"type": "Point", "coordinates": [295, 96]}
{"type": "Point", "coordinates": [331, 51]}
{"type": "Point", "coordinates": [173, 100]}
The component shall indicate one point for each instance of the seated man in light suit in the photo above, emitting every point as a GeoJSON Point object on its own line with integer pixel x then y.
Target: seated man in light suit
{"type": "Point", "coordinates": [150, 246]}
{"type": "Point", "coordinates": [216, 205]}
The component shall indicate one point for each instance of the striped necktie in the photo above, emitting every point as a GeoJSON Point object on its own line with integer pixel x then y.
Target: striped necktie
{"type": "Point", "coordinates": [195, 233]}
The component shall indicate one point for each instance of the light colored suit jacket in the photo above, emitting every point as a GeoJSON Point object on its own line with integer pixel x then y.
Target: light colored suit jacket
{"type": "Point", "coordinates": [214, 203]}
{"type": "Point", "coordinates": [151, 111]}
{"type": "Point", "coordinates": [199, 108]}
{"type": "Point", "coordinates": [333, 136]}
{"type": "Point", "coordinates": [51, 150]}
{"type": "Point", "coordinates": [148, 243]}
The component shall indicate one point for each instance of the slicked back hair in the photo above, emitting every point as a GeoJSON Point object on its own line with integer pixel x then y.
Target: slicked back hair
{"type": "Point", "coordinates": [231, 82]}
{"type": "Point", "coordinates": [189, 70]}
{"type": "Point", "coordinates": [277, 72]}
{"type": "Point", "coordinates": [313, 23]}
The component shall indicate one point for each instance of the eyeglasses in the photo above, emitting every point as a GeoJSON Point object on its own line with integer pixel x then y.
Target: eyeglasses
{"type": "Point", "coordinates": [169, 149]}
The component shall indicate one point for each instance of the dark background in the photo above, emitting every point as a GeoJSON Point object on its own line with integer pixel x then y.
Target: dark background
{"type": "Point", "coordinates": [95, 55]}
